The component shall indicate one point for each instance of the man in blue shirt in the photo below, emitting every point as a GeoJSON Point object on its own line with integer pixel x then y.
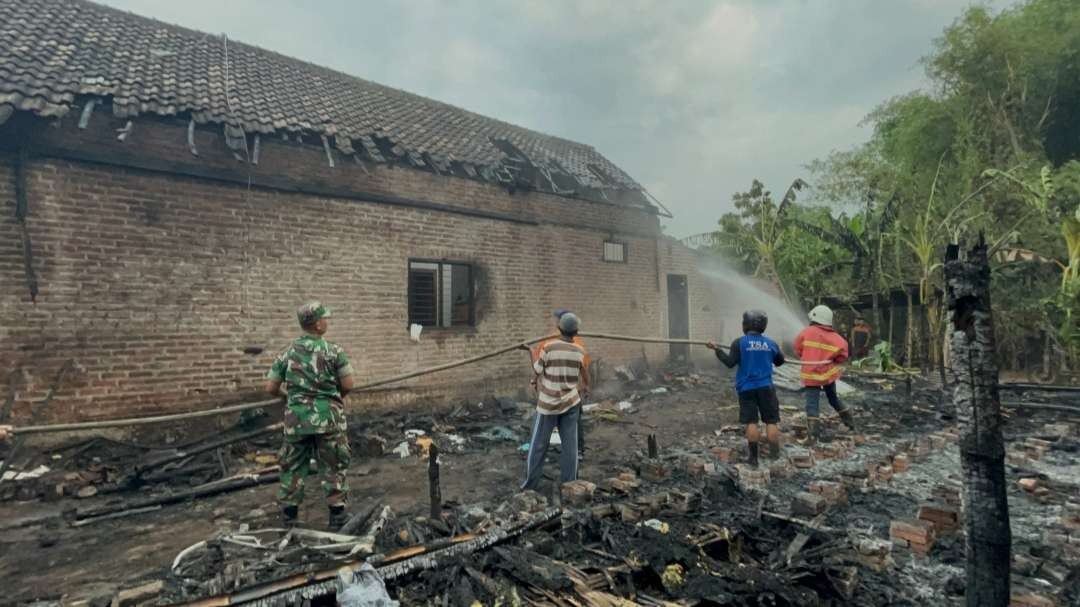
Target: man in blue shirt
{"type": "Point", "coordinates": [755, 355]}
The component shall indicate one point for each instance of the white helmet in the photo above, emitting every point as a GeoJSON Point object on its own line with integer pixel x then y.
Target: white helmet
{"type": "Point", "coordinates": [822, 315]}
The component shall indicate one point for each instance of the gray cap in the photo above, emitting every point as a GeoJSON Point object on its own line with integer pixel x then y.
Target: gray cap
{"type": "Point", "coordinates": [569, 323]}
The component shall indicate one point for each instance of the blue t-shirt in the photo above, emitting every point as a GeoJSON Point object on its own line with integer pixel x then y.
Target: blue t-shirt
{"type": "Point", "coordinates": [755, 355]}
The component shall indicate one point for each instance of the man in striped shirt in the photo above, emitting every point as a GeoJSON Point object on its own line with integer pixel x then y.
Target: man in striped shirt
{"type": "Point", "coordinates": [559, 368]}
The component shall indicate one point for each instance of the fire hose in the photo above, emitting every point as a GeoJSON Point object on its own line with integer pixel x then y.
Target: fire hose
{"type": "Point", "coordinates": [156, 419]}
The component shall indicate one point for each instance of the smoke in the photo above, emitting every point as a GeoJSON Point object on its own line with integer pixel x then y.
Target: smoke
{"type": "Point", "coordinates": [737, 292]}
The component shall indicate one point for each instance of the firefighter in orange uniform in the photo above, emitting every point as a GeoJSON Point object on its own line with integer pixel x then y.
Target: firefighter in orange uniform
{"type": "Point", "coordinates": [821, 344]}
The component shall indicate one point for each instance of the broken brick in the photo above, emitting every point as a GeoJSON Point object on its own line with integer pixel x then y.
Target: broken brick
{"type": "Point", "coordinates": [655, 472]}
{"type": "Point", "coordinates": [629, 513]}
{"type": "Point", "coordinates": [884, 472]}
{"type": "Point", "coordinates": [1028, 484]}
{"type": "Point", "coordinates": [723, 454]}
{"type": "Point", "coordinates": [913, 532]}
{"type": "Point", "coordinates": [577, 493]}
{"type": "Point", "coordinates": [653, 502]}
{"type": "Point", "coordinates": [833, 492]}
{"type": "Point", "coordinates": [694, 466]}
{"type": "Point", "coordinates": [1023, 565]}
{"type": "Point", "coordinates": [781, 468]}
{"type": "Point", "coordinates": [943, 518]}
{"type": "Point", "coordinates": [809, 504]}
{"type": "Point", "coordinates": [603, 511]}
{"type": "Point", "coordinates": [621, 485]}
{"type": "Point", "coordinates": [801, 458]}
{"type": "Point", "coordinates": [752, 478]}
{"type": "Point", "coordinates": [683, 501]}
{"type": "Point", "coordinates": [628, 476]}
{"type": "Point", "coordinates": [900, 462]}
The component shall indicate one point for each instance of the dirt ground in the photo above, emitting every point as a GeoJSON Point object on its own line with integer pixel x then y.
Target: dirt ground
{"type": "Point", "coordinates": [688, 414]}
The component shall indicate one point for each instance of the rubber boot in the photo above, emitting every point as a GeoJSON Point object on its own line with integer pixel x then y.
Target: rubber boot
{"type": "Point", "coordinates": [774, 450]}
{"type": "Point", "coordinates": [848, 419]}
{"type": "Point", "coordinates": [289, 514]}
{"type": "Point", "coordinates": [338, 518]}
{"type": "Point", "coordinates": [753, 461]}
{"type": "Point", "coordinates": [813, 429]}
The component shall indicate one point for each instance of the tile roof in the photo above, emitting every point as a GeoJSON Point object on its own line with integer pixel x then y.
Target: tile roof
{"type": "Point", "coordinates": [56, 53]}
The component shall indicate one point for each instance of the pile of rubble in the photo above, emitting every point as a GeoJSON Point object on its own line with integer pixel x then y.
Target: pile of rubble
{"type": "Point", "coordinates": [874, 518]}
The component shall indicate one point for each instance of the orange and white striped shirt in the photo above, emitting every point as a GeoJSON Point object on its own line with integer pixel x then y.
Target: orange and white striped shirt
{"type": "Point", "coordinates": [559, 367]}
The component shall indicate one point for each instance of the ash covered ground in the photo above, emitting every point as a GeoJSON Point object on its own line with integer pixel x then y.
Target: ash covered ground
{"type": "Point", "coordinates": [867, 519]}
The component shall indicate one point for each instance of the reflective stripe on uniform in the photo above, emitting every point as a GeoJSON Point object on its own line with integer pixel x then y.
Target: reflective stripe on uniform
{"type": "Point", "coordinates": [820, 376]}
{"type": "Point", "coordinates": [821, 346]}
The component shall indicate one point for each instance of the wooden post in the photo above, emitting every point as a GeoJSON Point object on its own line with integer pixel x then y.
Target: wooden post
{"type": "Point", "coordinates": [654, 450]}
{"type": "Point", "coordinates": [973, 375]}
{"type": "Point", "coordinates": [433, 482]}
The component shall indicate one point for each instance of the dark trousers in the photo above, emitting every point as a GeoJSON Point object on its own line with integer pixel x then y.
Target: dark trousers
{"type": "Point", "coordinates": [813, 399]}
{"type": "Point", "coordinates": [543, 426]}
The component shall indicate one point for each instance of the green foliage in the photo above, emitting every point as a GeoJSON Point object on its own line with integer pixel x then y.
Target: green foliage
{"type": "Point", "coordinates": [993, 151]}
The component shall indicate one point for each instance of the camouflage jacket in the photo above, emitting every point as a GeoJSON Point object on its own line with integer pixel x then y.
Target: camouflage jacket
{"type": "Point", "coordinates": [311, 368]}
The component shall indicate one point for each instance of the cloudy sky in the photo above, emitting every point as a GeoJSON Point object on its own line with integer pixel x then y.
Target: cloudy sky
{"type": "Point", "coordinates": [692, 98]}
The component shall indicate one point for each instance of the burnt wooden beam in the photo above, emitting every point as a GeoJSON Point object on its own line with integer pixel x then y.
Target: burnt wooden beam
{"type": "Point", "coordinates": [973, 375]}
{"type": "Point", "coordinates": [434, 488]}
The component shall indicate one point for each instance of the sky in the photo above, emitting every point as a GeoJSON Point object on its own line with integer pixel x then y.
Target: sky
{"type": "Point", "coordinates": [693, 99]}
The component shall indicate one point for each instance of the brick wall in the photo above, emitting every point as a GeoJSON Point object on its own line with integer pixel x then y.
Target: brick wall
{"type": "Point", "coordinates": [154, 284]}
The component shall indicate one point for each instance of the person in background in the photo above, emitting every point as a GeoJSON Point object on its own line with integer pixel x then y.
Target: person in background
{"type": "Point", "coordinates": [755, 355]}
{"type": "Point", "coordinates": [558, 369]}
{"type": "Point", "coordinates": [584, 389]}
{"type": "Point", "coordinates": [861, 337]}
{"type": "Point", "coordinates": [825, 350]}
{"type": "Point", "coordinates": [317, 376]}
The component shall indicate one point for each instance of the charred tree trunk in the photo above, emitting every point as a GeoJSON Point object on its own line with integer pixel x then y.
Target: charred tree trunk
{"type": "Point", "coordinates": [909, 346]}
{"type": "Point", "coordinates": [973, 374]}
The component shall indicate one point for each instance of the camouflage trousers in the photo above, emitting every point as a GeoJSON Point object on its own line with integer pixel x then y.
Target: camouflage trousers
{"type": "Point", "coordinates": [327, 455]}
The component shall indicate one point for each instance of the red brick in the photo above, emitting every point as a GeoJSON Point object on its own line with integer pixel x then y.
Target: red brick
{"type": "Point", "coordinates": [1031, 599]}
{"type": "Point", "coordinates": [944, 518]}
{"type": "Point", "coordinates": [1028, 484]}
{"type": "Point", "coordinates": [916, 532]}
{"type": "Point", "coordinates": [900, 462]}
{"type": "Point", "coordinates": [833, 492]}
{"type": "Point", "coordinates": [809, 504]}
{"type": "Point", "coordinates": [724, 454]}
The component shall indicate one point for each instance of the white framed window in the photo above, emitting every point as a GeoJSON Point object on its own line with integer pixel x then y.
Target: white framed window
{"type": "Point", "coordinates": [614, 252]}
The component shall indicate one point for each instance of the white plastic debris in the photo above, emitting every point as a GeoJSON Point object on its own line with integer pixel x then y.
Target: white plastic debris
{"type": "Point", "coordinates": [12, 475]}
{"type": "Point", "coordinates": [555, 440]}
{"type": "Point", "coordinates": [660, 390]}
{"type": "Point", "coordinates": [456, 439]}
{"type": "Point", "coordinates": [657, 525]}
{"type": "Point", "coordinates": [363, 588]}
{"type": "Point", "coordinates": [414, 332]}
{"type": "Point", "coordinates": [414, 433]}
{"type": "Point", "coordinates": [625, 405]}
{"type": "Point", "coordinates": [590, 407]}
{"type": "Point", "coordinates": [402, 450]}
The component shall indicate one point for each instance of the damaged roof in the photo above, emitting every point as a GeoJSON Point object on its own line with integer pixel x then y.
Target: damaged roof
{"type": "Point", "coordinates": [56, 53]}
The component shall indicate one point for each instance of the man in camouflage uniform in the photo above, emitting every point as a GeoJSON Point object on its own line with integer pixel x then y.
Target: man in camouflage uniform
{"type": "Point", "coordinates": [317, 376]}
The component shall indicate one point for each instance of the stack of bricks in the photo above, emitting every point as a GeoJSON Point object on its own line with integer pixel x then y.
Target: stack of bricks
{"type": "Point", "coordinates": [725, 455]}
{"type": "Point", "coordinates": [830, 450]}
{"type": "Point", "coordinates": [752, 478]}
{"type": "Point", "coordinates": [917, 535]}
{"type": "Point", "coordinates": [948, 495]}
{"type": "Point", "coordinates": [834, 493]}
{"type": "Point", "coordinates": [683, 501]}
{"type": "Point", "coordinates": [879, 471]}
{"type": "Point", "coordinates": [655, 471]}
{"type": "Point", "coordinates": [624, 483]}
{"type": "Point", "coordinates": [577, 493]}
{"type": "Point", "coordinates": [808, 504]}
{"type": "Point", "coordinates": [944, 518]}
{"type": "Point", "coordinates": [801, 458]}
{"type": "Point", "coordinates": [781, 468]}
{"type": "Point", "coordinates": [696, 467]}
{"type": "Point", "coordinates": [874, 553]}
{"type": "Point", "coordinates": [650, 505]}
{"type": "Point", "coordinates": [900, 463]}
